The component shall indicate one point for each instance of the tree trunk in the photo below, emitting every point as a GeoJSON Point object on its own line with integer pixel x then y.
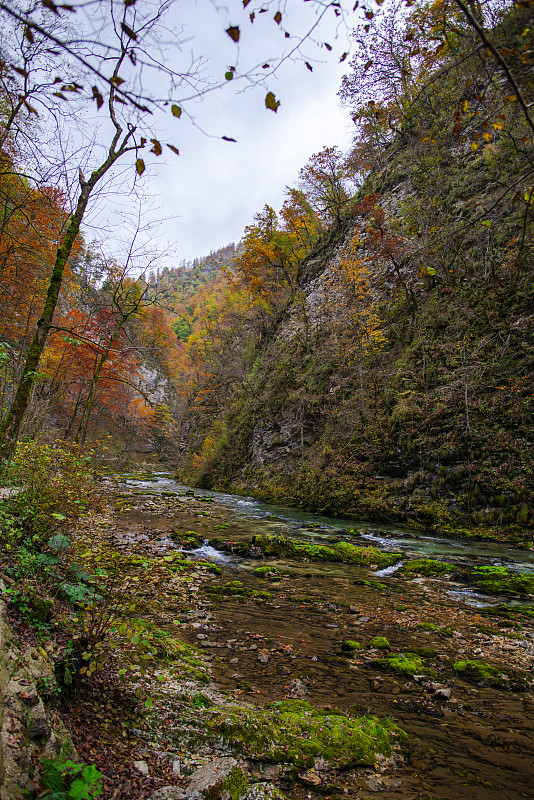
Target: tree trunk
{"type": "Point", "coordinates": [81, 433]}
{"type": "Point", "coordinates": [10, 430]}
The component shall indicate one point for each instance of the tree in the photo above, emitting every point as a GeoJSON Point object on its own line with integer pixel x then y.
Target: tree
{"type": "Point", "coordinates": [303, 224]}
{"type": "Point", "coordinates": [266, 266]}
{"type": "Point", "coordinates": [357, 326]}
{"type": "Point", "coordinates": [122, 41]}
{"type": "Point", "coordinates": [324, 181]}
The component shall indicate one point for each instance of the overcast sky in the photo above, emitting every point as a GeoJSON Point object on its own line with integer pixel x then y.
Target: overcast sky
{"type": "Point", "coordinates": [205, 196]}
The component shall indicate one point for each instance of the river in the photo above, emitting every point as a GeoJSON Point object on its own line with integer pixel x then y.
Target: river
{"type": "Point", "coordinates": [467, 739]}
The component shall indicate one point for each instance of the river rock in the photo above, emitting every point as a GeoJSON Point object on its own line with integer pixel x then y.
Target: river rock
{"type": "Point", "coordinates": [263, 791]}
{"type": "Point", "coordinates": [310, 778]}
{"type": "Point", "coordinates": [142, 767]}
{"type": "Point", "coordinates": [168, 793]}
{"type": "Point", "coordinates": [214, 780]}
{"type": "Point", "coordinates": [296, 689]}
{"type": "Point", "coordinates": [379, 783]}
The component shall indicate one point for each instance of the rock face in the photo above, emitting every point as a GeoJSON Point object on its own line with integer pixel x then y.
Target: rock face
{"type": "Point", "coordinates": [27, 731]}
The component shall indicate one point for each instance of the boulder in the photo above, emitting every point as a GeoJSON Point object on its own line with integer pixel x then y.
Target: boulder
{"type": "Point", "coordinates": [221, 779]}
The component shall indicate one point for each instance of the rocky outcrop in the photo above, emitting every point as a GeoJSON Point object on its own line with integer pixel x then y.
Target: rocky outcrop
{"type": "Point", "coordinates": [28, 730]}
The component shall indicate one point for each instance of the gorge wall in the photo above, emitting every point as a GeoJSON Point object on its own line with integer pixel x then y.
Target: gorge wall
{"type": "Point", "coordinates": [395, 383]}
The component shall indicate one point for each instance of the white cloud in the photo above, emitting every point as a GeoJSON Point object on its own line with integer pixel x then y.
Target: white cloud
{"type": "Point", "coordinates": [210, 192]}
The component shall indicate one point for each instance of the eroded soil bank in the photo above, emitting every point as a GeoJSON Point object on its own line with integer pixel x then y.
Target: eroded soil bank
{"type": "Point", "coordinates": [309, 631]}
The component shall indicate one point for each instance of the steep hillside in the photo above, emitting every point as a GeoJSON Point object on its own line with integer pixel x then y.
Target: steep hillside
{"type": "Point", "coordinates": [396, 382]}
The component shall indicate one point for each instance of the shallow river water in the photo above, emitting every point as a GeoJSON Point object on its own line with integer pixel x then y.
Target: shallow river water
{"type": "Point", "coordinates": [475, 741]}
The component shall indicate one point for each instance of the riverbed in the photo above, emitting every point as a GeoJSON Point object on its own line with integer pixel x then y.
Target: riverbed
{"type": "Point", "coordinates": [466, 738]}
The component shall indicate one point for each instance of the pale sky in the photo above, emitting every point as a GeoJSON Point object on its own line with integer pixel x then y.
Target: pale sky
{"type": "Point", "coordinates": [204, 197]}
{"type": "Point", "coordinates": [214, 187]}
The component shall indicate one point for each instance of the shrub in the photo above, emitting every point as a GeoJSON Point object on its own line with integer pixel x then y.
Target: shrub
{"type": "Point", "coordinates": [54, 483]}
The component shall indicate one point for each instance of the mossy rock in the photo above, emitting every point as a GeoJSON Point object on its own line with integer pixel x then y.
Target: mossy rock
{"type": "Point", "coordinates": [349, 646]}
{"type": "Point", "coordinates": [403, 664]}
{"type": "Point", "coordinates": [427, 567]}
{"type": "Point", "coordinates": [380, 643]}
{"type": "Point", "coordinates": [483, 674]}
{"type": "Point", "coordinates": [263, 791]}
{"type": "Point", "coordinates": [267, 573]}
{"type": "Point", "coordinates": [371, 584]}
{"type": "Point", "coordinates": [39, 608]}
{"type": "Point", "coordinates": [500, 580]}
{"type": "Point", "coordinates": [234, 785]}
{"type": "Point", "coordinates": [427, 626]}
{"type": "Point", "coordinates": [213, 568]}
{"type": "Point", "coordinates": [430, 627]}
{"type": "Point", "coordinates": [187, 539]}
{"type": "Point", "coordinates": [487, 630]}
{"type": "Point", "coordinates": [296, 732]}
{"type": "Point", "coordinates": [425, 652]}
{"type": "Point", "coordinates": [237, 590]}
{"type": "Point", "coordinates": [337, 551]}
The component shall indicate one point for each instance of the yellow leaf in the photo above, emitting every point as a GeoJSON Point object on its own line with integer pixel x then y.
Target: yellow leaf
{"type": "Point", "coordinates": [140, 166]}
{"type": "Point", "coordinates": [271, 102]}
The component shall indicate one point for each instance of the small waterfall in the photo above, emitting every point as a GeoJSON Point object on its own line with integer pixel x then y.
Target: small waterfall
{"type": "Point", "coordinates": [381, 573]}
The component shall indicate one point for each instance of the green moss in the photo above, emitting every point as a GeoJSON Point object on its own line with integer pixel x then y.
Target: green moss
{"type": "Point", "coordinates": [295, 732]}
{"type": "Point", "coordinates": [427, 626]}
{"type": "Point", "coordinates": [424, 652]}
{"type": "Point", "coordinates": [337, 551]}
{"type": "Point", "coordinates": [235, 784]}
{"type": "Point", "coordinates": [349, 645]}
{"type": "Point", "coordinates": [480, 672]}
{"type": "Point", "coordinates": [427, 567]}
{"type": "Point", "coordinates": [488, 630]}
{"type": "Point", "coordinates": [499, 580]}
{"type": "Point", "coordinates": [380, 643]}
{"type": "Point", "coordinates": [380, 587]}
{"type": "Point", "coordinates": [213, 568]}
{"type": "Point", "coordinates": [237, 590]}
{"type": "Point", "coordinates": [187, 539]}
{"type": "Point", "coordinates": [402, 664]}
{"type": "Point", "coordinates": [267, 573]}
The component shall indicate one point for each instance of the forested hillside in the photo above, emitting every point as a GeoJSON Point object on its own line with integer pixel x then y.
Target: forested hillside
{"type": "Point", "coordinates": [379, 362]}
